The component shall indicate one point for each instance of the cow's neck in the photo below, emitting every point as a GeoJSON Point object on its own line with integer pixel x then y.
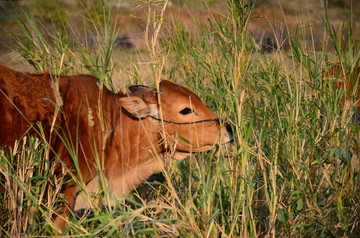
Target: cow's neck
{"type": "Point", "coordinates": [134, 151]}
{"type": "Point", "coordinates": [131, 155]}
{"type": "Point", "coordinates": [139, 141]}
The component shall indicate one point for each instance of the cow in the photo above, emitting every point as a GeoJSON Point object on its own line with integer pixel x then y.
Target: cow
{"type": "Point", "coordinates": [119, 136]}
{"type": "Point", "coordinates": [351, 86]}
{"type": "Point", "coordinates": [348, 85]}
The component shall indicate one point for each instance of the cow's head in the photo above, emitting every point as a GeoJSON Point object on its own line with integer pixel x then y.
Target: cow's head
{"type": "Point", "coordinates": [187, 123]}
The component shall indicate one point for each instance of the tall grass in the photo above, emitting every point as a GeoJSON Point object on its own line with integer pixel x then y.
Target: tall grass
{"type": "Point", "coordinates": [292, 171]}
{"type": "Point", "coordinates": [32, 189]}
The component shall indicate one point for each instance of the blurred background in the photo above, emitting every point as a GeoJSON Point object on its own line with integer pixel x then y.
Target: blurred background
{"type": "Point", "coordinates": [272, 21]}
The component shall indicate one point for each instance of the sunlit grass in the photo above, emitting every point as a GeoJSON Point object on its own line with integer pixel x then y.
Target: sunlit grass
{"type": "Point", "coordinates": [292, 170]}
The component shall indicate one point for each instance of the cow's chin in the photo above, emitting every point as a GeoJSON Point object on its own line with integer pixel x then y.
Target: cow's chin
{"type": "Point", "coordinates": [180, 155]}
{"type": "Point", "coordinates": [201, 149]}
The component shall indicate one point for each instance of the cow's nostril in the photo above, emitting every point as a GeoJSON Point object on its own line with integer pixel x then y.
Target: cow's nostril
{"type": "Point", "coordinates": [229, 130]}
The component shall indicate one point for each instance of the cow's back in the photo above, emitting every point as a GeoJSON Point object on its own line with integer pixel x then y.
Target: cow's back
{"type": "Point", "coordinates": [24, 100]}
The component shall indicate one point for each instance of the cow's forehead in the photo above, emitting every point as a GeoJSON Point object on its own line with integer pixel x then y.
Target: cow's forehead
{"type": "Point", "coordinates": [170, 89]}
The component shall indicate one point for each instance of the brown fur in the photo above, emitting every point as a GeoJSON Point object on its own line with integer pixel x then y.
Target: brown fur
{"type": "Point", "coordinates": [347, 84]}
{"type": "Point", "coordinates": [116, 128]}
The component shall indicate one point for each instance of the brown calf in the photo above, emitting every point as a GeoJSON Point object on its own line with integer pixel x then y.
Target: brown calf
{"type": "Point", "coordinates": [347, 84]}
{"type": "Point", "coordinates": [125, 131]}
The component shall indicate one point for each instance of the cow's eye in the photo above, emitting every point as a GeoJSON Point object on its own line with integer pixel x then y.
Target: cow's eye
{"type": "Point", "coordinates": [186, 111]}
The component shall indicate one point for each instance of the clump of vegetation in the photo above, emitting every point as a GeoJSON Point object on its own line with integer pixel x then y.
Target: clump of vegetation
{"type": "Point", "coordinates": [293, 169]}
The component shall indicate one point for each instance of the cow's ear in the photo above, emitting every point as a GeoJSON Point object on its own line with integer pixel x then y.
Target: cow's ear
{"type": "Point", "coordinates": [149, 95]}
{"type": "Point", "coordinates": [138, 107]}
{"type": "Point", "coordinates": [135, 106]}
